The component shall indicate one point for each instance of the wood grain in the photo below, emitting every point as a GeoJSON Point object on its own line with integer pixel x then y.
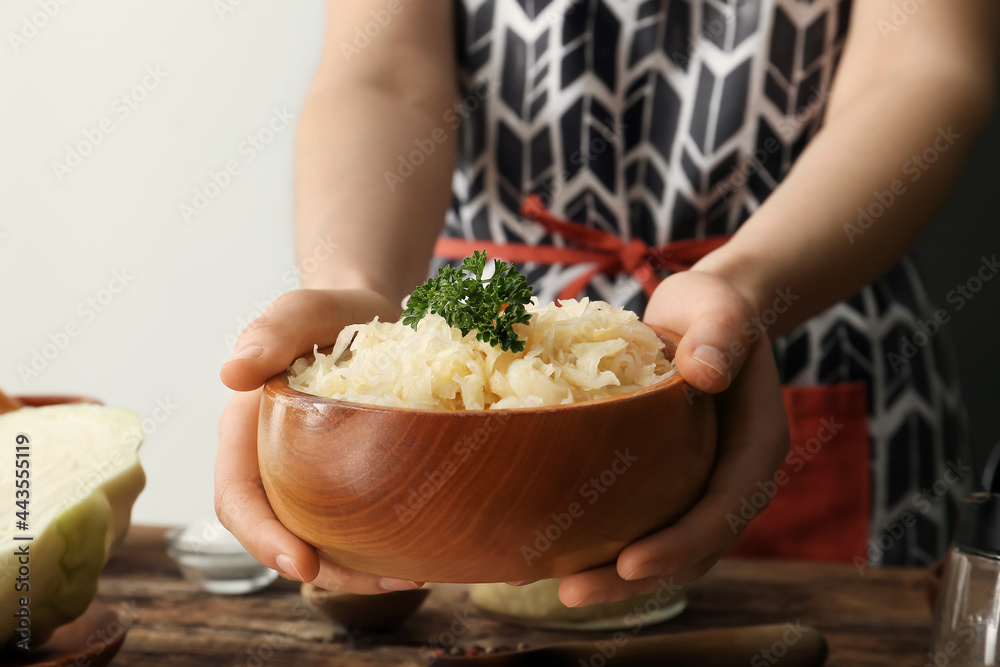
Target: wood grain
{"type": "Point", "coordinates": [484, 496]}
{"type": "Point", "coordinates": [880, 619]}
{"type": "Point", "coordinates": [716, 647]}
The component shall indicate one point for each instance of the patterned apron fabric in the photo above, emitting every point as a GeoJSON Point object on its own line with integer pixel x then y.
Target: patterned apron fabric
{"type": "Point", "coordinates": [664, 120]}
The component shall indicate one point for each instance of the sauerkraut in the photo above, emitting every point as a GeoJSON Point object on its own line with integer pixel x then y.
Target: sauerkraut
{"type": "Point", "coordinates": [577, 351]}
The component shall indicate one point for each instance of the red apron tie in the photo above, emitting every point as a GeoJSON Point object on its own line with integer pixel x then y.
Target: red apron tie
{"type": "Point", "coordinates": [608, 253]}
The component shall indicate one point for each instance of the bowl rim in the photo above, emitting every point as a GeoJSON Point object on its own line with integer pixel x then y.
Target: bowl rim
{"type": "Point", "coordinates": [277, 388]}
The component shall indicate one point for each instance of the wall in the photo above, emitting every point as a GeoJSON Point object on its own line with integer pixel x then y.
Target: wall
{"type": "Point", "coordinates": [112, 289]}
{"type": "Point", "coordinates": [169, 291]}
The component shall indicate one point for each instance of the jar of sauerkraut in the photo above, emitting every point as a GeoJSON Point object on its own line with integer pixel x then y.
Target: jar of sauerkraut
{"type": "Point", "coordinates": [537, 605]}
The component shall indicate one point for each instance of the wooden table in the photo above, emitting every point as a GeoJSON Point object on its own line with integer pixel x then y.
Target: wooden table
{"type": "Point", "coordinates": [880, 618]}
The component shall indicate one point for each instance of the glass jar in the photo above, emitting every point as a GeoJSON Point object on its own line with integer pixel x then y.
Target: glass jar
{"type": "Point", "coordinates": [537, 605]}
{"type": "Point", "coordinates": [967, 615]}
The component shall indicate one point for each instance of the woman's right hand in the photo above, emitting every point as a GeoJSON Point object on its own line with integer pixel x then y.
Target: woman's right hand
{"type": "Point", "coordinates": [290, 328]}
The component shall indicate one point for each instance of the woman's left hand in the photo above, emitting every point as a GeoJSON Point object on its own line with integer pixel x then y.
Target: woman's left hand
{"type": "Point", "coordinates": [725, 350]}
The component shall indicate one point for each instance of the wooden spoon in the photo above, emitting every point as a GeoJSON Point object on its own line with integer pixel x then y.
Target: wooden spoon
{"type": "Point", "coordinates": [9, 403]}
{"type": "Point", "coordinates": [791, 644]}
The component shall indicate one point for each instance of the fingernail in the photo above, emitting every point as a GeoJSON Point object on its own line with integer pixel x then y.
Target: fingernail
{"type": "Point", "coordinates": [645, 570]}
{"type": "Point", "coordinates": [287, 565]}
{"type": "Point", "coordinates": [712, 358]}
{"type": "Point", "coordinates": [252, 352]}
{"type": "Point", "coordinates": [398, 584]}
{"type": "Point", "coordinates": [593, 598]}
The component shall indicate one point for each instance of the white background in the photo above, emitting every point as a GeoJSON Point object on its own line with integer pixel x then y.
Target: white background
{"type": "Point", "coordinates": [194, 285]}
{"type": "Point", "coordinates": [191, 286]}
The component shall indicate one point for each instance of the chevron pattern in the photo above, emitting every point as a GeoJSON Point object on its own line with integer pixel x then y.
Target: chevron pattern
{"type": "Point", "coordinates": [916, 416]}
{"type": "Point", "coordinates": [672, 119]}
{"type": "Point", "coordinates": [656, 119]}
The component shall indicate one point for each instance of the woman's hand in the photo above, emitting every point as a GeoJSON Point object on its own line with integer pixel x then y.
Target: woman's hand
{"type": "Point", "coordinates": [289, 329]}
{"type": "Point", "coordinates": [721, 349]}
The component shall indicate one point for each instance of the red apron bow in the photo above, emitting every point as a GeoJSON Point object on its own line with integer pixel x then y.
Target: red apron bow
{"type": "Point", "coordinates": [608, 253]}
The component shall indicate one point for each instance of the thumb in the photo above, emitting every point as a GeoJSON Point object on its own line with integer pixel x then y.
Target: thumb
{"type": "Point", "coordinates": [714, 321]}
{"type": "Point", "coordinates": [292, 325]}
{"type": "Point", "coordinates": [711, 353]}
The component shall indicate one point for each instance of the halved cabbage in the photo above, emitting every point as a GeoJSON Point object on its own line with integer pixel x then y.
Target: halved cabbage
{"type": "Point", "coordinates": [83, 477]}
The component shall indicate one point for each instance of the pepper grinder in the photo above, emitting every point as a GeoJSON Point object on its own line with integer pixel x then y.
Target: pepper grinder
{"type": "Point", "coordinates": [967, 616]}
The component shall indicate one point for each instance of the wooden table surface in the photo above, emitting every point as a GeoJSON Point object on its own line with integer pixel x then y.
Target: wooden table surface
{"type": "Point", "coordinates": [878, 618]}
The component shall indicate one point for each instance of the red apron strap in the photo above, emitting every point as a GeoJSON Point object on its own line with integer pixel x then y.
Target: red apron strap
{"type": "Point", "coordinates": [606, 252]}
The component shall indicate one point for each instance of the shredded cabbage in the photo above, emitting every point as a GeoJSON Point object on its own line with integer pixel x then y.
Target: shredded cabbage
{"type": "Point", "coordinates": [577, 351]}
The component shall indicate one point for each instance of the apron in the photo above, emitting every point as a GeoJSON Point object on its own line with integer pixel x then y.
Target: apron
{"type": "Point", "coordinates": [653, 129]}
{"type": "Point", "coordinates": [816, 506]}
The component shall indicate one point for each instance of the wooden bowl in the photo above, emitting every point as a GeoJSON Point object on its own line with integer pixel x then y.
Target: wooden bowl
{"type": "Point", "coordinates": [487, 495]}
{"type": "Point", "coordinates": [365, 612]}
{"type": "Point", "coordinates": [45, 400]}
{"type": "Point", "coordinates": [92, 639]}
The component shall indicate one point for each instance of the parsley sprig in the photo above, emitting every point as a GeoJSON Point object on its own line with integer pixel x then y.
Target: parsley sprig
{"type": "Point", "coordinates": [468, 302]}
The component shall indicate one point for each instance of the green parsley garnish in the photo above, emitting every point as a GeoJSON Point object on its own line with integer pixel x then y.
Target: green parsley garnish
{"type": "Point", "coordinates": [468, 302]}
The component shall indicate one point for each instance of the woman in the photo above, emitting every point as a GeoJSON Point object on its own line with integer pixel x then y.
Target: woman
{"type": "Point", "coordinates": [658, 121]}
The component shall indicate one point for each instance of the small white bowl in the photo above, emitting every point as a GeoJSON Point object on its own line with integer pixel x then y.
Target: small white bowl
{"type": "Point", "coordinates": [210, 556]}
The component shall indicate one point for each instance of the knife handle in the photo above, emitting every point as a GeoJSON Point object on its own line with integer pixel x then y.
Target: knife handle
{"type": "Point", "coordinates": [793, 644]}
